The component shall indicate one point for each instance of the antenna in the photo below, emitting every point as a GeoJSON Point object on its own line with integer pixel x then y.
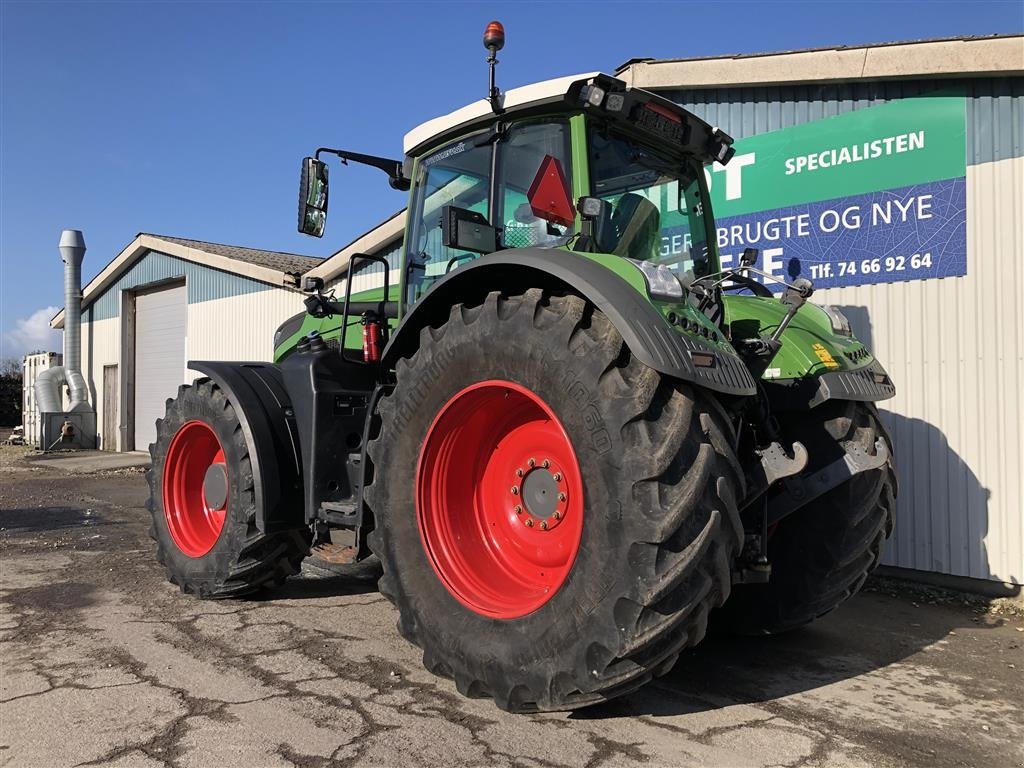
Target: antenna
{"type": "Point", "coordinates": [494, 41]}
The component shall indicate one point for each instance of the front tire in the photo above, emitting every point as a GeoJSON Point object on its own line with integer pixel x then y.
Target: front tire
{"type": "Point", "coordinates": [822, 554]}
{"type": "Point", "coordinates": [203, 506]}
{"type": "Point", "coordinates": [638, 497]}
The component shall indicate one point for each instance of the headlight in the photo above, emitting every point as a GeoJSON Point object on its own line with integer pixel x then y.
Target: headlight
{"type": "Point", "coordinates": [661, 281]}
{"type": "Point", "coordinates": [288, 328]}
{"type": "Point", "coordinates": [840, 324]}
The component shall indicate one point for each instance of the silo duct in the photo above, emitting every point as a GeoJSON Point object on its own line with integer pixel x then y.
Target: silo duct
{"type": "Point", "coordinates": [49, 383]}
{"type": "Point", "coordinates": [48, 386]}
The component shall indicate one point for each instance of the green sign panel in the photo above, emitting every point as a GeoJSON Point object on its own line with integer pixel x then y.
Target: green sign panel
{"type": "Point", "coordinates": [875, 195]}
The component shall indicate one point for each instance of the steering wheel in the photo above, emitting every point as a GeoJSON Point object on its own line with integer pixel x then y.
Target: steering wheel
{"type": "Point", "coordinates": [739, 281]}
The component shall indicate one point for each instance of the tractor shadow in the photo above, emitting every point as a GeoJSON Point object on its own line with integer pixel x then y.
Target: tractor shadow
{"type": "Point", "coordinates": [942, 518]}
{"type": "Point", "coordinates": [879, 627]}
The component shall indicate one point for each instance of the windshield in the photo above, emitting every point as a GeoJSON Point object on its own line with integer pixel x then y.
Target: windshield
{"type": "Point", "coordinates": [656, 210]}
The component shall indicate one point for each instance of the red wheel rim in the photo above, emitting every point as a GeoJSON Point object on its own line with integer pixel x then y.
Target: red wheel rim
{"type": "Point", "coordinates": [499, 499]}
{"type": "Point", "coordinates": [195, 488]}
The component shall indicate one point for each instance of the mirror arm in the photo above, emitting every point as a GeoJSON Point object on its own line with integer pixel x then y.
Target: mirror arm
{"type": "Point", "coordinates": [393, 168]}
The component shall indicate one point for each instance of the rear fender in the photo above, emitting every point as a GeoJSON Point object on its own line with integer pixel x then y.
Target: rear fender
{"type": "Point", "coordinates": [256, 391]}
{"type": "Point", "coordinates": [645, 331]}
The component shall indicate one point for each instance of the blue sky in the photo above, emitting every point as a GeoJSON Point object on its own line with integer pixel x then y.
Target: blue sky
{"type": "Point", "coordinates": [190, 118]}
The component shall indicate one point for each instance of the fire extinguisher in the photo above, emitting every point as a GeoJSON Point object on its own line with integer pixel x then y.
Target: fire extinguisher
{"type": "Point", "coordinates": [371, 337]}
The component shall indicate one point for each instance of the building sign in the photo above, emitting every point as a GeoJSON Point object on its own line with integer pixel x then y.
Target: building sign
{"type": "Point", "coordinates": [873, 196]}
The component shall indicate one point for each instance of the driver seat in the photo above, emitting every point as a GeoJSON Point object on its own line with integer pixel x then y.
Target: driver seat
{"type": "Point", "coordinates": [637, 225]}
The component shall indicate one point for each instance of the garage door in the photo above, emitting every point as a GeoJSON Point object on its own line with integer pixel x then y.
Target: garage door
{"type": "Point", "coordinates": [161, 321]}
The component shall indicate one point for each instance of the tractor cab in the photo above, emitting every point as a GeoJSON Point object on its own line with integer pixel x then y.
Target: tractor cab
{"type": "Point", "coordinates": [581, 163]}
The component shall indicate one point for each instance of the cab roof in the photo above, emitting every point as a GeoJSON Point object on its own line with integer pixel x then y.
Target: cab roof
{"type": "Point", "coordinates": [527, 95]}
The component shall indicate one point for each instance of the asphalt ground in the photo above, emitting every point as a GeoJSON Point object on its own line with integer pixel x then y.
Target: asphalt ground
{"type": "Point", "coordinates": [102, 662]}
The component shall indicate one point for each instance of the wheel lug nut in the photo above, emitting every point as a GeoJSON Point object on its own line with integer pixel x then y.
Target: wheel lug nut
{"type": "Point", "coordinates": [519, 473]}
{"type": "Point", "coordinates": [546, 464]}
{"type": "Point", "coordinates": [532, 463]}
{"type": "Point", "coordinates": [515, 490]}
{"type": "Point", "coordinates": [543, 525]}
{"type": "Point", "coordinates": [558, 476]}
{"type": "Point", "coordinates": [529, 522]}
{"type": "Point", "coordinates": [557, 515]}
{"type": "Point", "coordinates": [518, 510]}
{"type": "Point", "coordinates": [561, 497]}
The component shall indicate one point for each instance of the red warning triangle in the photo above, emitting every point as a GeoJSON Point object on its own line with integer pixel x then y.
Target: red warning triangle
{"type": "Point", "coordinates": [549, 194]}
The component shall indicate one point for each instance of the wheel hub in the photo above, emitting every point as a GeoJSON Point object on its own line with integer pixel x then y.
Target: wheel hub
{"type": "Point", "coordinates": [215, 487]}
{"type": "Point", "coordinates": [543, 490]}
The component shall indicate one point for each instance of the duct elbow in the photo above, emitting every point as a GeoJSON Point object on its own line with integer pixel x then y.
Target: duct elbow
{"type": "Point", "coordinates": [48, 394]}
{"type": "Point", "coordinates": [78, 391]}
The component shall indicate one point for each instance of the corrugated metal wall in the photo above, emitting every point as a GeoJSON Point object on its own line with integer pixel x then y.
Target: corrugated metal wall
{"type": "Point", "coordinates": [239, 327]}
{"type": "Point", "coordinates": [995, 108]}
{"type": "Point", "coordinates": [371, 274]}
{"type": "Point", "coordinates": [955, 346]}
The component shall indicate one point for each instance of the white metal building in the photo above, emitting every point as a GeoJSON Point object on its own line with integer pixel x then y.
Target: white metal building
{"type": "Point", "coordinates": [165, 300]}
{"type": "Point", "coordinates": [952, 336]}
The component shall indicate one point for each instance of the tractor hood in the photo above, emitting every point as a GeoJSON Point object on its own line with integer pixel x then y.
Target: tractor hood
{"type": "Point", "coordinates": [810, 346]}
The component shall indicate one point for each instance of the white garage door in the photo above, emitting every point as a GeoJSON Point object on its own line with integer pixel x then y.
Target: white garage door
{"type": "Point", "coordinates": [161, 322]}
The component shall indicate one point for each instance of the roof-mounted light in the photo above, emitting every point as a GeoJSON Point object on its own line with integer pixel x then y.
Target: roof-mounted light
{"type": "Point", "coordinates": [494, 36]}
{"type": "Point", "coordinates": [593, 95]}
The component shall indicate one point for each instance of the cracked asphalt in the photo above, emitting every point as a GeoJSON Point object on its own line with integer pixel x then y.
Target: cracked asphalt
{"type": "Point", "coordinates": [104, 663]}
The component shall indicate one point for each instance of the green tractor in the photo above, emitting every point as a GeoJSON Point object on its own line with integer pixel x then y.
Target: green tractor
{"type": "Point", "coordinates": [564, 449]}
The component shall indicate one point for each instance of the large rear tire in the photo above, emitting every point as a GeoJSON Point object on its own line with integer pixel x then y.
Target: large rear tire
{"type": "Point", "coordinates": [203, 506]}
{"type": "Point", "coordinates": [822, 554]}
{"type": "Point", "coordinates": [555, 520]}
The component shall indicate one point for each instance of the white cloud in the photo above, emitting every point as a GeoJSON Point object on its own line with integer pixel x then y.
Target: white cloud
{"type": "Point", "coordinates": [31, 334]}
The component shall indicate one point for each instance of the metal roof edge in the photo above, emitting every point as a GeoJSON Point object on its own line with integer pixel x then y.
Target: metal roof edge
{"type": "Point", "coordinates": [145, 242]}
{"type": "Point", "coordinates": [383, 234]}
{"type": "Point", "coordinates": [998, 55]}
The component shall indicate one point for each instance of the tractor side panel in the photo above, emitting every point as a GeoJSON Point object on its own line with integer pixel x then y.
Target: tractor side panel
{"type": "Point", "coordinates": [257, 393]}
{"type": "Point", "coordinates": [646, 332]}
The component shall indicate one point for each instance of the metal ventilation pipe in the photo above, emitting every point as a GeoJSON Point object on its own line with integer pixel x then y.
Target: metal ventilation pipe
{"type": "Point", "coordinates": [50, 382]}
{"type": "Point", "coordinates": [72, 251]}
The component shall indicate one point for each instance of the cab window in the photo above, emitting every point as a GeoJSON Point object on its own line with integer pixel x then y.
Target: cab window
{"type": "Point", "coordinates": [656, 208]}
{"type": "Point", "coordinates": [458, 174]}
{"type": "Point", "coordinates": [535, 157]}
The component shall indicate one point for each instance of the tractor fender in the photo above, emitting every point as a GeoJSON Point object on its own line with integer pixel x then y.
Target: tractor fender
{"type": "Point", "coordinates": [645, 331]}
{"type": "Point", "coordinates": [256, 392]}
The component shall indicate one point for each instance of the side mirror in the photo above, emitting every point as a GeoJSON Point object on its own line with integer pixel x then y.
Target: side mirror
{"type": "Point", "coordinates": [748, 257]}
{"type": "Point", "coordinates": [313, 197]}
